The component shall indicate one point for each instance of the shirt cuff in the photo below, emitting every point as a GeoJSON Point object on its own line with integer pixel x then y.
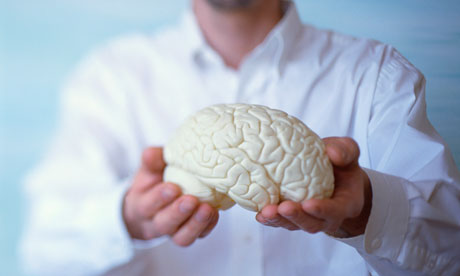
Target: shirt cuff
{"type": "Point", "coordinates": [389, 217]}
{"type": "Point", "coordinates": [120, 241]}
{"type": "Point", "coordinates": [388, 220]}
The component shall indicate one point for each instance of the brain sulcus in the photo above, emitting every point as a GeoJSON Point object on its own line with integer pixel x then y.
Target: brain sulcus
{"type": "Point", "coordinates": [249, 154]}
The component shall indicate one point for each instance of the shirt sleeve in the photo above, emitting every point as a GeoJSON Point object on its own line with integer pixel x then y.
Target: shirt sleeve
{"type": "Point", "coordinates": [75, 195]}
{"type": "Point", "coordinates": [414, 223]}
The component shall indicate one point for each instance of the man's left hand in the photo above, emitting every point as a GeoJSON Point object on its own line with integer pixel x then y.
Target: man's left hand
{"type": "Point", "coordinates": [345, 214]}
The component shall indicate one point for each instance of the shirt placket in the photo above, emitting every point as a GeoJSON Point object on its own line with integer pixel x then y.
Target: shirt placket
{"type": "Point", "coordinates": [258, 72]}
{"type": "Point", "coordinates": [220, 82]}
{"type": "Point", "coordinates": [247, 250]}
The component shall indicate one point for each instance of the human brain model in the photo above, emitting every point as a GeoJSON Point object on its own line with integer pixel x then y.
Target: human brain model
{"type": "Point", "coordinates": [248, 154]}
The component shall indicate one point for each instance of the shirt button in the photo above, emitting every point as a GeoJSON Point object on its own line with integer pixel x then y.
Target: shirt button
{"type": "Point", "coordinates": [376, 243]}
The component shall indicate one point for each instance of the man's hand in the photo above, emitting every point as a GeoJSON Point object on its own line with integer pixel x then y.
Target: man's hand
{"type": "Point", "coordinates": [153, 208]}
{"type": "Point", "coordinates": [346, 212]}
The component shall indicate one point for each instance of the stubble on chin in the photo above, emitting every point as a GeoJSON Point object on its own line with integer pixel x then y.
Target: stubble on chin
{"type": "Point", "coordinates": [230, 5]}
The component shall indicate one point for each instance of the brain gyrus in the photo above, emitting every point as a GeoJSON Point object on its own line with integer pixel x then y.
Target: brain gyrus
{"type": "Point", "coordinates": [248, 154]}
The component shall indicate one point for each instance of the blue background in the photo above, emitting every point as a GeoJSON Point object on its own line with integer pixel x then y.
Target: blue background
{"type": "Point", "coordinates": [41, 41]}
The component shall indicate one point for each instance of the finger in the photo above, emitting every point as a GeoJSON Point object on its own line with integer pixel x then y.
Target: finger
{"type": "Point", "coordinates": [342, 151]}
{"type": "Point", "coordinates": [156, 199]}
{"type": "Point", "coordinates": [211, 225]}
{"type": "Point", "coordinates": [331, 227]}
{"type": "Point", "coordinates": [168, 220]}
{"type": "Point", "coordinates": [144, 181]}
{"type": "Point", "coordinates": [267, 213]}
{"type": "Point", "coordinates": [192, 229]}
{"type": "Point", "coordinates": [269, 216]}
{"type": "Point", "coordinates": [332, 210]}
{"type": "Point", "coordinates": [279, 221]}
{"type": "Point", "coordinates": [152, 160]}
{"type": "Point", "coordinates": [293, 212]}
{"type": "Point", "coordinates": [150, 172]}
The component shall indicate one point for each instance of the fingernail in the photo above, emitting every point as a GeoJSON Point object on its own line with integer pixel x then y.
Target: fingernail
{"type": "Point", "coordinates": [266, 222]}
{"type": "Point", "coordinates": [291, 214]}
{"type": "Point", "coordinates": [344, 155]}
{"type": "Point", "coordinates": [169, 193]}
{"type": "Point", "coordinates": [203, 216]}
{"type": "Point", "coordinates": [342, 151]}
{"type": "Point", "coordinates": [187, 205]}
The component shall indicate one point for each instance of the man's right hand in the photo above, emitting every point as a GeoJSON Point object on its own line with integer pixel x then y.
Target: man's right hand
{"type": "Point", "coordinates": [153, 208]}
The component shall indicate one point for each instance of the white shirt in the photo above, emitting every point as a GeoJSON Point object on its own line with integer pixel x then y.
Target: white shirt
{"type": "Point", "coordinates": [133, 92]}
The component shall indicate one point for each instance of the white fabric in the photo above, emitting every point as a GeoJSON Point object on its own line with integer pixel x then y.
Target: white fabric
{"type": "Point", "coordinates": [133, 92]}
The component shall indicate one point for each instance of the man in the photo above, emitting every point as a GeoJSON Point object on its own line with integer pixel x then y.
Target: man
{"type": "Point", "coordinates": [96, 209]}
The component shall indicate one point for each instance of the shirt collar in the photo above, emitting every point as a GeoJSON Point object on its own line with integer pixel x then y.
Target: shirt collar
{"type": "Point", "coordinates": [280, 40]}
{"type": "Point", "coordinates": [193, 34]}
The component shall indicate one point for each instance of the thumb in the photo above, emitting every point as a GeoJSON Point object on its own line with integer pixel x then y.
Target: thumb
{"type": "Point", "coordinates": [152, 160]}
{"type": "Point", "coordinates": [342, 151]}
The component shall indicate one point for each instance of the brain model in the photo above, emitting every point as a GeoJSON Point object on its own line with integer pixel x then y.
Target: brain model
{"type": "Point", "coordinates": [248, 154]}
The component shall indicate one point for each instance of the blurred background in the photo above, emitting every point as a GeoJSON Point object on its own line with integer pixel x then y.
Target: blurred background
{"type": "Point", "coordinates": [41, 42]}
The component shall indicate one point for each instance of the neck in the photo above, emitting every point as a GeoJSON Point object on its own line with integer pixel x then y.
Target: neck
{"type": "Point", "coordinates": [233, 34]}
